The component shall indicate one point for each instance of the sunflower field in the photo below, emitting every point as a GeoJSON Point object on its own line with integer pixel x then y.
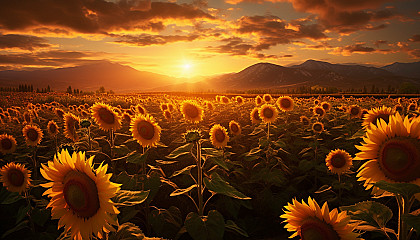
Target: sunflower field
{"type": "Point", "coordinates": [209, 167]}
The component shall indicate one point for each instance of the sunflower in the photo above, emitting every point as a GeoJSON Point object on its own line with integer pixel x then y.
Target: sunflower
{"type": "Point", "coordinates": [126, 117]}
{"type": "Point", "coordinates": [268, 113]}
{"type": "Point", "coordinates": [52, 128]}
{"type": "Point", "coordinates": [412, 107]}
{"type": "Point", "coordinates": [399, 108]}
{"type": "Point", "coordinates": [377, 113]}
{"type": "Point", "coordinates": [355, 111]}
{"type": "Point", "coordinates": [258, 100]}
{"type": "Point", "coordinates": [145, 130]}
{"type": "Point", "coordinates": [393, 151]}
{"type": "Point", "coordinates": [71, 124]}
{"type": "Point", "coordinates": [316, 102]}
{"type": "Point", "coordinates": [235, 128]}
{"type": "Point", "coordinates": [267, 98]}
{"type": "Point", "coordinates": [192, 112]}
{"type": "Point", "coordinates": [326, 106]}
{"type": "Point", "coordinates": [105, 117]}
{"type": "Point", "coordinates": [140, 109]}
{"type": "Point", "coordinates": [15, 177]}
{"type": "Point", "coordinates": [27, 117]}
{"type": "Point", "coordinates": [309, 221]}
{"type": "Point", "coordinates": [80, 195]}
{"type": "Point", "coordinates": [239, 99]}
{"type": "Point", "coordinates": [171, 107]}
{"type": "Point", "coordinates": [338, 161]}
{"type": "Point", "coordinates": [318, 127]}
{"type": "Point", "coordinates": [59, 112]}
{"type": "Point", "coordinates": [225, 99]}
{"type": "Point", "coordinates": [167, 114]}
{"type": "Point", "coordinates": [7, 144]}
{"type": "Point", "coordinates": [163, 106]}
{"type": "Point", "coordinates": [255, 116]}
{"type": "Point", "coordinates": [285, 103]}
{"type": "Point", "coordinates": [218, 136]}
{"type": "Point", "coordinates": [319, 111]}
{"type": "Point", "coordinates": [210, 105]}
{"type": "Point", "coordinates": [33, 135]}
{"type": "Point", "coordinates": [305, 120]}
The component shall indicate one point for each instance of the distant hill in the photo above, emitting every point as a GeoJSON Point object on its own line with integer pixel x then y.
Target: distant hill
{"type": "Point", "coordinates": [404, 69]}
{"type": "Point", "coordinates": [88, 77]}
{"type": "Point", "coordinates": [122, 78]}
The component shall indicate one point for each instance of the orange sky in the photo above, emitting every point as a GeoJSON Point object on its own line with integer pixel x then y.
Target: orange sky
{"type": "Point", "coordinates": [193, 38]}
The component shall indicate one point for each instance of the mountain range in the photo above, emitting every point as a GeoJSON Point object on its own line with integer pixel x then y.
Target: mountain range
{"type": "Point", "coordinates": [121, 78]}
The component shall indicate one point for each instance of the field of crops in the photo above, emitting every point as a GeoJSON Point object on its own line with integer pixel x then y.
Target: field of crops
{"type": "Point", "coordinates": [214, 167]}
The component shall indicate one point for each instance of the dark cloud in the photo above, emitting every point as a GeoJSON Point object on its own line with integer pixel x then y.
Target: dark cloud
{"type": "Point", "coordinates": [94, 16]}
{"type": "Point", "coordinates": [380, 42]}
{"type": "Point", "coordinates": [405, 47]}
{"type": "Point", "coordinates": [48, 58]}
{"type": "Point", "coordinates": [148, 39]}
{"type": "Point", "coordinates": [22, 42]}
{"type": "Point", "coordinates": [237, 47]}
{"type": "Point", "coordinates": [415, 38]}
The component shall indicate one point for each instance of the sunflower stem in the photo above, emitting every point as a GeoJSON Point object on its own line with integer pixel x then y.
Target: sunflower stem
{"type": "Point", "coordinates": [114, 163]}
{"type": "Point", "coordinates": [268, 131]}
{"type": "Point", "coordinates": [90, 143]}
{"type": "Point", "coordinates": [200, 181]}
{"type": "Point", "coordinates": [404, 206]}
{"type": "Point", "coordinates": [35, 163]}
{"type": "Point", "coordinates": [29, 213]}
{"type": "Point", "coordinates": [340, 191]}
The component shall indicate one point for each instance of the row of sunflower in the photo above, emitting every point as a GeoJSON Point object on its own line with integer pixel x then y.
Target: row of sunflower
{"type": "Point", "coordinates": [259, 151]}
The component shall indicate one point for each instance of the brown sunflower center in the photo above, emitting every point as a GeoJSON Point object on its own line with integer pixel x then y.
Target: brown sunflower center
{"type": "Point", "coordinates": [259, 100]}
{"type": "Point", "coordinates": [325, 106]}
{"type": "Point", "coordinates": [268, 112]}
{"type": "Point", "coordinates": [15, 177]}
{"type": "Point", "coordinates": [315, 229]}
{"type": "Point", "coordinates": [412, 107]}
{"type": "Point", "coordinates": [219, 135]}
{"type": "Point", "coordinates": [319, 111]}
{"type": "Point", "coordinates": [140, 110]}
{"type": "Point", "coordinates": [338, 161]}
{"type": "Point", "coordinates": [400, 159]}
{"type": "Point", "coordinates": [32, 134]}
{"type": "Point", "coordinates": [164, 107]}
{"type": "Point", "coordinates": [354, 111]}
{"type": "Point", "coordinates": [234, 127]}
{"type": "Point", "coordinates": [317, 127]}
{"type": "Point", "coordinates": [191, 111]}
{"type": "Point", "coordinates": [81, 194]}
{"type": "Point", "coordinates": [53, 128]}
{"type": "Point", "coordinates": [267, 98]}
{"type": "Point", "coordinates": [146, 130]}
{"type": "Point", "coordinates": [256, 116]}
{"type": "Point", "coordinates": [285, 103]}
{"type": "Point", "coordinates": [6, 144]}
{"type": "Point", "coordinates": [106, 115]}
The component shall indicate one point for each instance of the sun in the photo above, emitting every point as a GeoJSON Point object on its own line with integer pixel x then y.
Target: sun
{"type": "Point", "coordinates": [187, 66]}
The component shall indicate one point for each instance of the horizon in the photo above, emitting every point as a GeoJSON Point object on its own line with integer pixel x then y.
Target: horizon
{"type": "Point", "coordinates": [187, 39]}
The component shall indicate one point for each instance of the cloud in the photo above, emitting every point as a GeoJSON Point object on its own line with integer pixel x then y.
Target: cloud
{"type": "Point", "coordinates": [23, 42]}
{"type": "Point", "coordinates": [359, 48]}
{"type": "Point", "coordinates": [405, 47]}
{"type": "Point", "coordinates": [94, 16]}
{"type": "Point", "coordinates": [148, 39]}
{"type": "Point", "coordinates": [238, 47]}
{"type": "Point", "coordinates": [415, 38]}
{"type": "Point", "coordinates": [55, 58]}
{"type": "Point", "coordinates": [343, 16]}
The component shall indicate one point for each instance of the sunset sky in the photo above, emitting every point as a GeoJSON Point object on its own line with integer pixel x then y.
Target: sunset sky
{"type": "Point", "coordinates": [198, 38]}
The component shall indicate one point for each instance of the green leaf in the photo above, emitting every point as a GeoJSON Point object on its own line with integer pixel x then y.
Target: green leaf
{"type": "Point", "coordinates": [136, 157]}
{"type": "Point", "coordinates": [7, 197]}
{"type": "Point", "coordinates": [18, 227]}
{"type": "Point", "coordinates": [232, 227]}
{"type": "Point", "coordinates": [163, 162]}
{"type": "Point", "coordinates": [185, 170]}
{"type": "Point", "coordinates": [128, 182]}
{"type": "Point", "coordinates": [370, 212]}
{"type": "Point", "coordinates": [40, 216]}
{"type": "Point", "coordinates": [306, 165]}
{"type": "Point", "coordinates": [212, 152]}
{"type": "Point", "coordinates": [412, 221]}
{"type": "Point", "coordinates": [21, 214]}
{"type": "Point", "coordinates": [121, 150]}
{"type": "Point", "coordinates": [130, 198]}
{"type": "Point", "coordinates": [166, 222]}
{"type": "Point", "coordinates": [211, 227]}
{"type": "Point", "coordinates": [127, 231]}
{"type": "Point", "coordinates": [182, 150]}
{"type": "Point", "coordinates": [323, 188]}
{"type": "Point", "coordinates": [218, 185]}
{"type": "Point", "coordinates": [127, 213]}
{"type": "Point", "coordinates": [358, 134]}
{"type": "Point", "coordinates": [407, 190]}
{"type": "Point", "coordinates": [181, 191]}
{"type": "Point", "coordinates": [220, 162]}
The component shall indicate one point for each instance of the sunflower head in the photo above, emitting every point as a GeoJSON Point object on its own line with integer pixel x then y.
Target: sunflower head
{"type": "Point", "coordinates": [319, 111]}
{"type": "Point", "coordinates": [258, 100]}
{"type": "Point", "coordinates": [80, 195]}
{"type": "Point", "coordinates": [52, 128]}
{"type": "Point", "coordinates": [145, 130]}
{"type": "Point", "coordinates": [338, 161]}
{"type": "Point", "coordinates": [192, 111]}
{"type": "Point", "coordinates": [285, 103]}
{"type": "Point", "coordinates": [192, 135]}
{"type": "Point", "coordinates": [305, 120]}
{"type": "Point", "coordinates": [354, 111]}
{"type": "Point", "coordinates": [235, 128]}
{"type": "Point", "coordinates": [210, 105]}
{"type": "Point", "coordinates": [255, 116]}
{"type": "Point", "coordinates": [239, 99]}
{"type": "Point", "coordinates": [163, 106]}
{"type": "Point", "coordinates": [106, 117]}
{"type": "Point", "coordinates": [316, 102]}
{"type": "Point", "coordinates": [167, 114]}
{"type": "Point", "coordinates": [33, 135]}
{"type": "Point", "coordinates": [412, 107]}
{"type": "Point", "coordinates": [218, 136]}
{"type": "Point", "coordinates": [59, 112]}
{"type": "Point", "coordinates": [375, 114]}
{"type": "Point", "coordinates": [7, 144]}
{"type": "Point", "coordinates": [393, 151]}
{"type": "Point", "coordinates": [267, 98]}
{"type": "Point", "coordinates": [318, 127]}
{"type": "Point", "coordinates": [140, 109]}
{"type": "Point", "coordinates": [225, 100]}
{"type": "Point", "coordinates": [326, 106]}
{"type": "Point", "coordinates": [15, 177]}
{"type": "Point", "coordinates": [71, 124]}
{"type": "Point", "coordinates": [268, 113]}
{"type": "Point", "coordinates": [399, 108]}
{"type": "Point", "coordinates": [310, 221]}
{"type": "Point", "coordinates": [26, 117]}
